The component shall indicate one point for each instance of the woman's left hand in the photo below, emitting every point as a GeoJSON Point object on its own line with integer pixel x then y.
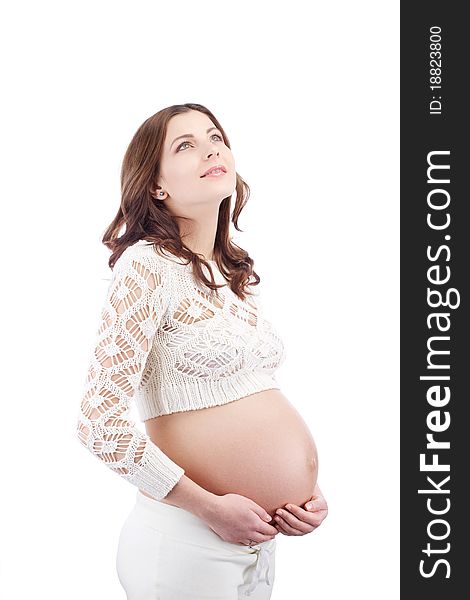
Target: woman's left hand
{"type": "Point", "coordinates": [294, 520]}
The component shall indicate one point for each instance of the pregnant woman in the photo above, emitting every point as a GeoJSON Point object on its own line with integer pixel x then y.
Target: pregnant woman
{"type": "Point", "coordinates": [182, 334]}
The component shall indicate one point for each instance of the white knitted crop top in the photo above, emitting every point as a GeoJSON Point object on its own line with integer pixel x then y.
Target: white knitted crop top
{"type": "Point", "coordinates": [168, 344]}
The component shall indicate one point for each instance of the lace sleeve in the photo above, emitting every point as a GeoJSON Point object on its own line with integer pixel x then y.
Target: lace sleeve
{"type": "Point", "coordinates": [130, 317]}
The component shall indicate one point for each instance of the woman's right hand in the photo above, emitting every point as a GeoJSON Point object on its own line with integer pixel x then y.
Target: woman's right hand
{"type": "Point", "coordinates": [239, 520]}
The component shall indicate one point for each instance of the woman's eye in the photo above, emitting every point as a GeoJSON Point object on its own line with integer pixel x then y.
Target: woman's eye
{"type": "Point", "coordinates": [183, 143]}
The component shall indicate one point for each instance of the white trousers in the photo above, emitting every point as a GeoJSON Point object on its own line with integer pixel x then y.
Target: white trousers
{"type": "Point", "coordinates": [167, 553]}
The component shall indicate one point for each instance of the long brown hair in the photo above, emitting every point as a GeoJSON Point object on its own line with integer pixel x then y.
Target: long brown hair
{"type": "Point", "coordinates": [148, 219]}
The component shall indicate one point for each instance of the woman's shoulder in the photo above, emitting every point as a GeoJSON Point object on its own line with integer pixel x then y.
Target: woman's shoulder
{"type": "Point", "coordinates": [143, 253]}
{"type": "Point", "coordinates": [148, 252]}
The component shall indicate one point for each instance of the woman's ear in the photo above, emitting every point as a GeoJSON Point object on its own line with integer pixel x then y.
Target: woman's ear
{"type": "Point", "coordinates": [157, 192]}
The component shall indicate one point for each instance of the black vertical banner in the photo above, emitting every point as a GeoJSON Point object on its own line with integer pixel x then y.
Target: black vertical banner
{"type": "Point", "coordinates": [434, 301]}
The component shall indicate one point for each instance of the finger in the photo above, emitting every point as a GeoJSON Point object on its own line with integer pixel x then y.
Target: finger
{"type": "Point", "coordinates": [303, 522]}
{"type": "Point", "coordinates": [294, 522]}
{"type": "Point", "coordinates": [286, 528]}
{"type": "Point", "coordinates": [265, 526]}
{"type": "Point", "coordinates": [282, 530]}
{"type": "Point", "coordinates": [312, 518]}
{"type": "Point", "coordinates": [280, 526]}
{"type": "Point", "coordinates": [316, 504]}
{"type": "Point", "coordinates": [267, 530]}
{"type": "Point", "coordinates": [261, 513]}
{"type": "Point", "coordinates": [319, 517]}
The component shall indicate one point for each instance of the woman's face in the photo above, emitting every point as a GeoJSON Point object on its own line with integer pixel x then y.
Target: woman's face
{"type": "Point", "coordinates": [186, 159]}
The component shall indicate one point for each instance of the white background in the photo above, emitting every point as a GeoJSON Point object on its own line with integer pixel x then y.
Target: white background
{"type": "Point", "coordinates": [308, 94]}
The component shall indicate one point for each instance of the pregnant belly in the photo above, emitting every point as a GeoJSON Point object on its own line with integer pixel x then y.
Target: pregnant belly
{"type": "Point", "coordinates": [257, 446]}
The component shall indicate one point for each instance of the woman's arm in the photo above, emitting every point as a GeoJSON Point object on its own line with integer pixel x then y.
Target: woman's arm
{"type": "Point", "coordinates": [192, 497]}
{"type": "Point", "coordinates": [136, 300]}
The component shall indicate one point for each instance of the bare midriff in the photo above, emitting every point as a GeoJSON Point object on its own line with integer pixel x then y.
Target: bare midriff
{"type": "Point", "coordinates": [258, 446]}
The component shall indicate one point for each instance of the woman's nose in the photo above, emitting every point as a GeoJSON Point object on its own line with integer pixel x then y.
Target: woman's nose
{"type": "Point", "coordinates": [212, 151]}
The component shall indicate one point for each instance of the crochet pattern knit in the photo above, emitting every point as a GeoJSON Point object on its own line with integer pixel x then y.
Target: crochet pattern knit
{"type": "Point", "coordinates": [169, 344]}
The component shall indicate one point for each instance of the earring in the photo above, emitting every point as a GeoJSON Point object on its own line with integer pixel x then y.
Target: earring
{"type": "Point", "coordinates": [161, 193]}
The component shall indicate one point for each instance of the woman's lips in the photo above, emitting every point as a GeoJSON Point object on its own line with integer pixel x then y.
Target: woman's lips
{"type": "Point", "coordinates": [210, 171]}
{"type": "Point", "coordinates": [214, 173]}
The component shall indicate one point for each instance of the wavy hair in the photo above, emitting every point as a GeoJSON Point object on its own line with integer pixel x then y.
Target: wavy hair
{"type": "Point", "coordinates": [147, 219]}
